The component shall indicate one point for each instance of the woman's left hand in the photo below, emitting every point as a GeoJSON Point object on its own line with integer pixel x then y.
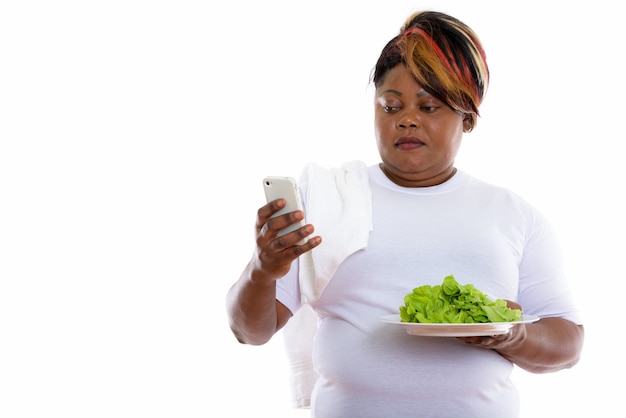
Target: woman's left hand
{"type": "Point", "coordinates": [516, 333]}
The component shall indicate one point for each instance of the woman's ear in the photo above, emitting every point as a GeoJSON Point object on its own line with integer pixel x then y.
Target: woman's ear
{"type": "Point", "coordinates": [468, 123]}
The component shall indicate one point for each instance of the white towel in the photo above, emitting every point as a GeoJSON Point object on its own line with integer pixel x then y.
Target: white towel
{"type": "Point", "coordinates": [338, 204]}
{"type": "Point", "coordinates": [298, 336]}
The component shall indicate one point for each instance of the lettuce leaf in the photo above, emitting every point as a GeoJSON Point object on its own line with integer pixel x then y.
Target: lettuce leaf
{"type": "Point", "coordinates": [454, 303]}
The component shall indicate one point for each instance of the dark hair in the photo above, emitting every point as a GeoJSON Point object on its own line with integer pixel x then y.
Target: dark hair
{"type": "Point", "coordinates": [444, 55]}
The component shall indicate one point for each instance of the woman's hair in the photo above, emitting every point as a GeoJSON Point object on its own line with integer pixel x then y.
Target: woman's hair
{"type": "Point", "coordinates": [444, 55]}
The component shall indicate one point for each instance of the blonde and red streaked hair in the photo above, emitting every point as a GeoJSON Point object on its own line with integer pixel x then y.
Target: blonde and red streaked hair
{"type": "Point", "coordinates": [444, 55]}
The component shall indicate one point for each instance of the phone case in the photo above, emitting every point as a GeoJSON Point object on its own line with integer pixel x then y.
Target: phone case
{"type": "Point", "coordinates": [284, 187]}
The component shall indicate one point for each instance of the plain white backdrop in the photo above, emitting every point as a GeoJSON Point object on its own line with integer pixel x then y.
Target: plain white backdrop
{"type": "Point", "coordinates": [133, 139]}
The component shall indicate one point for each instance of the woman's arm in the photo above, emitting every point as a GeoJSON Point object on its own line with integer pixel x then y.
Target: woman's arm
{"type": "Point", "coordinates": [253, 312]}
{"type": "Point", "coordinates": [548, 345]}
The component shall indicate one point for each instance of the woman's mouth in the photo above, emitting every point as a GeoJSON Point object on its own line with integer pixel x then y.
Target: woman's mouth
{"type": "Point", "coordinates": [408, 143]}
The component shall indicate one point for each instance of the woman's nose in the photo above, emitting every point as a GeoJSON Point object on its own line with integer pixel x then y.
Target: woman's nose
{"type": "Point", "coordinates": [408, 120]}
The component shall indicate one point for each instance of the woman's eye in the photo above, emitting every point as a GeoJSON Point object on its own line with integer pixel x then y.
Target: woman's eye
{"type": "Point", "coordinates": [429, 109]}
{"type": "Point", "coordinates": [390, 109]}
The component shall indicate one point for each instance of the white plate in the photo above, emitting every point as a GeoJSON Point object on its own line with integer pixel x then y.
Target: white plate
{"type": "Point", "coordinates": [456, 330]}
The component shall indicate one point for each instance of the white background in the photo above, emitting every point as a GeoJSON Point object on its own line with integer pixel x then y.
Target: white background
{"type": "Point", "coordinates": [133, 137]}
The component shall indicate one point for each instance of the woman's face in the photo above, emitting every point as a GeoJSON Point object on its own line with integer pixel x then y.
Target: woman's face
{"type": "Point", "coordinates": [418, 136]}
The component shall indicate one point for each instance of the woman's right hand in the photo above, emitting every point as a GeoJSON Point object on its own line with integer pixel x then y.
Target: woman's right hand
{"type": "Point", "coordinates": [274, 254]}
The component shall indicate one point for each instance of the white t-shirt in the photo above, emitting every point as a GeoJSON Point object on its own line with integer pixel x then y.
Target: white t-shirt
{"type": "Point", "coordinates": [481, 234]}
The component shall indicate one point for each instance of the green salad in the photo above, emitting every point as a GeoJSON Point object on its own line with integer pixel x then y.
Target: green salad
{"type": "Point", "coordinates": [454, 303]}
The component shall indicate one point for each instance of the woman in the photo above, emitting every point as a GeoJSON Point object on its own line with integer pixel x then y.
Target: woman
{"type": "Point", "coordinates": [422, 219]}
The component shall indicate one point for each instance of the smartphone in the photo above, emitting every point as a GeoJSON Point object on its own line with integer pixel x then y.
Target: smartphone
{"type": "Point", "coordinates": [284, 187]}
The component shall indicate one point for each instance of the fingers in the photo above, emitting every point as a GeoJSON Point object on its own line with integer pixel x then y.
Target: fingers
{"type": "Point", "coordinates": [286, 223]}
{"type": "Point", "coordinates": [269, 226]}
{"type": "Point", "coordinates": [287, 247]}
{"type": "Point", "coordinates": [265, 212]}
{"type": "Point", "coordinates": [487, 341]}
{"type": "Point", "coordinates": [294, 241]}
{"type": "Point", "coordinates": [276, 252]}
{"type": "Point", "coordinates": [276, 255]}
{"type": "Point", "coordinates": [309, 245]}
{"type": "Point", "coordinates": [496, 342]}
{"type": "Point", "coordinates": [513, 305]}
